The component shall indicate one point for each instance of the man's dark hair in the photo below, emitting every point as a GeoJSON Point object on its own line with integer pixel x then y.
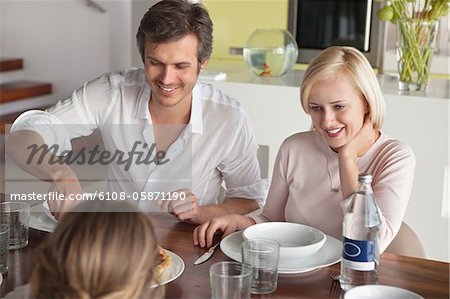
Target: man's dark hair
{"type": "Point", "coordinates": [170, 20]}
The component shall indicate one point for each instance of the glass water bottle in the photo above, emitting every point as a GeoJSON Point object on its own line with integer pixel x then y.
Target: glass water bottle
{"type": "Point", "coordinates": [360, 237]}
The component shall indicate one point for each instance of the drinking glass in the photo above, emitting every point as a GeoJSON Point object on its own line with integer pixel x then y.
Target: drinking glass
{"type": "Point", "coordinates": [262, 256]}
{"type": "Point", "coordinates": [230, 280]}
{"type": "Point", "coordinates": [4, 248]}
{"type": "Point", "coordinates": [17, 216]}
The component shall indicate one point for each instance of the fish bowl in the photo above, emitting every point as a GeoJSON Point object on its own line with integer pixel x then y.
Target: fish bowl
{"type": "Point", "coordinates": [270, 52]}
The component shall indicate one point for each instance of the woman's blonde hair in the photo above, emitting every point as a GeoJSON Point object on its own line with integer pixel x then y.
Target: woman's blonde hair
{"type": "Point", "coordinates": [97, 255]}
{"type": "Point", "coordinates": [337, 61]}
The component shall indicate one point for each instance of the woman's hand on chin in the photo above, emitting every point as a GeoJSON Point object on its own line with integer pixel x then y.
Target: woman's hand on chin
{"type": "Point", "coordinates": [361, 142]}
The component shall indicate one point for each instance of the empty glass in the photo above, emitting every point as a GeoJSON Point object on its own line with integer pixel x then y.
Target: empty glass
{"type": "Point", "coordinates": [230, 280]}
{"type": "Point", "coordinates": [4, 248]}
{"type": "Point", "coordinates": [262, 256]}
{"type": "Point", "coordinates": [17, 216]}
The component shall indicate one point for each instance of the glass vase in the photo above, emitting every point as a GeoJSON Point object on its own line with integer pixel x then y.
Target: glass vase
{"type": "Point", "coordinates": [416, 40]}
{"type": "Point", "coordinates": [270, 52]}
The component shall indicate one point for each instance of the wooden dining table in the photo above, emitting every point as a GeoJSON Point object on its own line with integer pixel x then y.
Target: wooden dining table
{"type": "Point", "coordinates": [427, 278]}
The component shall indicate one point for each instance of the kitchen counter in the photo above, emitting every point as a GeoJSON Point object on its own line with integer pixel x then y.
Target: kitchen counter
{"type": "Point", "coordinates": [237, 72]}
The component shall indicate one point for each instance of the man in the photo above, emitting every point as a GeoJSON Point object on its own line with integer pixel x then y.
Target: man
{"type": "Point", "coordinates": [202, 138]}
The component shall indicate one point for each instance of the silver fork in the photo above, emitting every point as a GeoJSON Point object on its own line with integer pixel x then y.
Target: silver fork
{"type": "Point", "coordinates": [335, 288]}
{"type": "Point", "coordinates": [335, 277]}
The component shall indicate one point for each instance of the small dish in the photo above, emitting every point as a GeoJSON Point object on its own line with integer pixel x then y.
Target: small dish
{"type": "Point", "coordinates": [174, 270]}
{"type": "Point", "coordinates": [380, 292]}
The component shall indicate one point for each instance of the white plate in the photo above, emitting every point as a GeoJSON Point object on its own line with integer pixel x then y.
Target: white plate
{"type": "Point", "coordinates": [174, 271]}
{"type": "Point", "coordinates": [1, 279]}
{"type": "Point", "coordinates": [39, 219]}
{"type": "Point", "coordinates": [47, 211]}
{"type": "Point", "coordinates": [380, 292]}
{"type": "Point", "coordinates": [329, 254]}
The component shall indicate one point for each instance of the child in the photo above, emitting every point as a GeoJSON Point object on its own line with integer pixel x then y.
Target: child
{"type": "Point", "coordinates": [98, 250]}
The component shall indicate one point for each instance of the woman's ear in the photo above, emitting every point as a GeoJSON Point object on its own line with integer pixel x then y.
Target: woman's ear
{"type": "Point", "coordinates": [366, 108]}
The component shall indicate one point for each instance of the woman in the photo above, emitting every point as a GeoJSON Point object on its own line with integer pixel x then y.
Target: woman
{"type": "Point", "coordinates": [316, 172]}
{"type": "Point", "coordinates": [96, 254]}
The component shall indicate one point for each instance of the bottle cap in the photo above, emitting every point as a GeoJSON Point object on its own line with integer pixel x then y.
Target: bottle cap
{"type": "Point", "coordinates": [365, 178]}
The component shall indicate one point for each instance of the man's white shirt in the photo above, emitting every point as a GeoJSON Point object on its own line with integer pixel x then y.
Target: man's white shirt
{"type": "Point", "coordinates": [217, 148]}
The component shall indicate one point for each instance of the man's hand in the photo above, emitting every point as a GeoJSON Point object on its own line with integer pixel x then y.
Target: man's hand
{"type": "Point", "coordinates": [203, 234]}
{"type": "Point", "coordinates": [189, 211]}
{"type": "Point", "coordinates": [64, 182]}
{"type": "Point", "coordinates": [183, 205]}
{"type": "Point", "coordinates": [61, 176]}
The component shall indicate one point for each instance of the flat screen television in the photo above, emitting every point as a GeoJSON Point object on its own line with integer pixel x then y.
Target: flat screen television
{"type": "Point", "coordinates": [318, 24]}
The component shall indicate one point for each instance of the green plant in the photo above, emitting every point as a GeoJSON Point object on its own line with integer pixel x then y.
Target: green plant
{"type": "Point", "coordinates": [429, 10]}
{"type": "Point", "coordinates": [416, 22]}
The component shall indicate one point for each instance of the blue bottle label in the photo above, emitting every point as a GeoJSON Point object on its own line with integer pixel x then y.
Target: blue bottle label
{"type": "Point", "coordinates": [359, 254]}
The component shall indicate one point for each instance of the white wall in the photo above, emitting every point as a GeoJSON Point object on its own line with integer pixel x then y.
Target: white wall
{"type": "Point", "coordinates": [139, 8]}
{"type": "Point", "coordinates": [423, 124]}
{"type": "Point", "coordinates": [66, 42]}
{"type": "Point", "coordinates": [121, 37]}
{"type": "Point", "coordinates": [275, 112]}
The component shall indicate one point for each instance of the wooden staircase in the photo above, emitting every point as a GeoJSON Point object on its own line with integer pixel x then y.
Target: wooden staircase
{"type": "Point", "coordinates": [10, 64]}
{"type": "Point", "coordinates": [18, 90]}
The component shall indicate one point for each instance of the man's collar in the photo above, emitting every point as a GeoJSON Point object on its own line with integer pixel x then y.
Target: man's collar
{"type": "Point", "coordinates": [196, 119]}
{"type": "Point", "coordinates": [142, 111]}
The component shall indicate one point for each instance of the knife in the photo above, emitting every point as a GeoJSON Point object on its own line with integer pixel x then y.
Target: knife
{"type": "Point", "coordinates": [204, 257]}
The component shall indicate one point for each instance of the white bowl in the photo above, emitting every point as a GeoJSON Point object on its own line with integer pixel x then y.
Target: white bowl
{"type": "Point", "coordinates": [380, 292]}
{"type": "Point", "coordinates": [296, 240]}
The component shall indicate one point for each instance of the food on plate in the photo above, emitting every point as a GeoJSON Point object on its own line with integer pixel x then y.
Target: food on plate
{"type": "Point", "coordinates": [164, 262]}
